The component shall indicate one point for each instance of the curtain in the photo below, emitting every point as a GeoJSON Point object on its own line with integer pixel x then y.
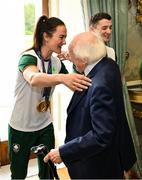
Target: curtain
{"type": "Point", "coordinates": [119, 12]}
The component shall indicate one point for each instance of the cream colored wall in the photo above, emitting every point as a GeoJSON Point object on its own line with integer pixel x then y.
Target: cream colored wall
{"type": "Point", "coordinates": [60, 100]}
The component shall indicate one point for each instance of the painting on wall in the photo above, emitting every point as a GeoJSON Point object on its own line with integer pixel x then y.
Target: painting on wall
{"type": "Point", "coordinates": [133, 67]}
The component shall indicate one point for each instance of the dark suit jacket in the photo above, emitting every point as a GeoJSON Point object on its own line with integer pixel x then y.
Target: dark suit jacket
{"type": "Point", "coordinates": [98, 142]}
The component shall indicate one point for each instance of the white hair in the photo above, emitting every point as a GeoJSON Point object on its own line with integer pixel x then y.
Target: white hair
{"type": "Point", "coordinates": [90, 51]}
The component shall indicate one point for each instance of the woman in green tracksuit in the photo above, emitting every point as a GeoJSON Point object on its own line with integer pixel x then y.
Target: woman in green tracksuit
{"type": "Point", "coordinates": [38, 72]}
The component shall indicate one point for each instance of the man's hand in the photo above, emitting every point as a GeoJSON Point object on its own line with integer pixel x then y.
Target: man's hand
{"type": "Point", "coordinates": [54, 156]}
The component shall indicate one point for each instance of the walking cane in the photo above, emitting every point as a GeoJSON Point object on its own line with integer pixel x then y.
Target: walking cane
{"type": "Point", "coordinates": [43, 150]}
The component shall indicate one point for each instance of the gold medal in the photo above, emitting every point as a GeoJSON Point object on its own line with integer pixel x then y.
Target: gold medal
{"type": "Point", "coordinates": [43, 106]}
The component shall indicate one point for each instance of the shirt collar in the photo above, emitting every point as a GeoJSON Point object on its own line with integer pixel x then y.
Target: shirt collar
{"type": "Point", "coordinates": [89, 67]}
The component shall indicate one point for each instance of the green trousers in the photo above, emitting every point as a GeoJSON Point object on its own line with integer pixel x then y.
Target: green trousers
{"type": "Point", "coordinates": [20, 144]}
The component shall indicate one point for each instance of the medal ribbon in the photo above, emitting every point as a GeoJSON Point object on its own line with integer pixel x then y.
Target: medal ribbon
{"type": "Point", "coordinates": [46, 90]}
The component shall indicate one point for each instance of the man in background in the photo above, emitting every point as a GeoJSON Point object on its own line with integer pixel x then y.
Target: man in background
{"type": "Point", "coordinates": [101, 23]}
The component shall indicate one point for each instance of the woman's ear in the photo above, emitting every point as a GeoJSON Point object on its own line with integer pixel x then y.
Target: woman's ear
{"type": "Point", "coordinates": [45, 37]}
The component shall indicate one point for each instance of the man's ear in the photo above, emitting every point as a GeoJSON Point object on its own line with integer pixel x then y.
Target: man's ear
{"type": "Point", "coordinates": [85, 61]}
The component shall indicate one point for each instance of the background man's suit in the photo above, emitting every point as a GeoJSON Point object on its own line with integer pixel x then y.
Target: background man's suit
{"type": "Point", "coordinates": [98, 140]}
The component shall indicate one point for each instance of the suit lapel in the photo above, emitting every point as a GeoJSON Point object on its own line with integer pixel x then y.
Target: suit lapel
{"type": "Point", "coordinates": [77, 96]}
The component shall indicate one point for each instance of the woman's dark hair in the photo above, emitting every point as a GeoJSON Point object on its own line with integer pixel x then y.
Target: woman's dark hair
{"type": "Point", "coordinates": [47, 25]}
{"type": "Point", "coordinates": [99, 16]}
